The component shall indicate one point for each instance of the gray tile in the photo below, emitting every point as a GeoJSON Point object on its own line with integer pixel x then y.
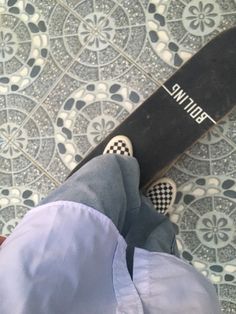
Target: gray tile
{"type": "Point", "coordinates": [44, 7]}
{"type": "Point", "coordinates": [221, 149]}
{"type": "Point", "coordinates": [15, 202]}
{"type": "Point", "coordinates": [226, 254]}
{"type": "Point", "coordinates": [65, 42]}
{"type": "Point", "coordinates": [228, 126]}
{"type": "Point", "coordinates": [134, 11]}
{"type": "Point", "coordinates": [225, 165]}
{"type": "Point", "coordinates": [163, 36]}
{"type": "Point", "coordinates": [193, 166]}
{"type": "Point", "coordinates": [41, 121]}
{"type": "Point", "coordinates": [75, 71]}
{"type": "Point", "coordinates": [171, 24]}
{"type": "Point", "coordinates": [43, 185]}
{"type": "Point", "coordinates": [17, 168]}
{"type": "Point", "coordinates": [33, 143]}
{"type": "Point", "coordinates": [86, 9]}
{"type": "Point", "coordinates": [190, 239]}
{"type": "Point", "coordinates": [205, 217]}
{"type": "Point", "coordinates": [139, 81]}
{"type": "Point", "coordinates": [83, 8]}
{"type": "Point", "coordinates": [214, 154]}
{"type": "Point", "coordinates": [155, 66]}
{"type": "Point", "coordinates": [57, 21]}
{"type": "Point", "coordinates": [189, 221]}
{"type": "Point", "coordinates": [228, 307]}
{"type": "Point", "coordinates": [89, 113]}
{"type": "Point", "coordinates": [15, 109]}
{"type": "Point", "coordinates": [5, 166]}
{"type": "Point", "coordinates": [44, 81]}
{"type": "Point", "coordinates": [57, 169]}
{"type": "Point", "coordinates": [57, 97]}
{"type": "Point", "coordinates": [199, 150]}
{"type": "Point", "coordinates": [178, 176]}
{"type": "Point", "coordinates": [62, 57]}
{"type": "Point", "coordinates": [84, 114]}
{"type": "Point", "coordinates": [25, 59]}
{"type": "Point", "coordinates": [27, 174]}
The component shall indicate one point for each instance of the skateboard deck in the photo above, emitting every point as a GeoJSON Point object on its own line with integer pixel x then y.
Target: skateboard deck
{"type": "Point", "coordinates": [187, 105]}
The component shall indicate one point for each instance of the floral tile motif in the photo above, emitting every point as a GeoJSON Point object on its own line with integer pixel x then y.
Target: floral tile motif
{"type": "Point", "coordinates": [14, 204]}
{"type": "Point", "coordinates": [178, 29]}
{"type": "Point", "coordinates": [204, 217]}
{"type": "Point", "coordinates": [205, 207]}
{"type": "Point", "coordinates": [213, 154]}
{"type": "Point", "coordinates": [160, 34]}
{"type": "Point", "coordinates": [84, 114]}
{"type": "Point", "coordinates": [24, 45]}
{"type": "Point", "coordinates": [89, 115]}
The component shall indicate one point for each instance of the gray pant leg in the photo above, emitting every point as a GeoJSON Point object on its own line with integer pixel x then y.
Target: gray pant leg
{"type": "Point", "coordinates": [109, 184]}
{"type": "Point", "coordinates": [152, 231]}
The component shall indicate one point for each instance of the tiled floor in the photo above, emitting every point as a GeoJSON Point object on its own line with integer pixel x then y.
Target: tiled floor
{"type": "Point", "coordinates": [72, 70]}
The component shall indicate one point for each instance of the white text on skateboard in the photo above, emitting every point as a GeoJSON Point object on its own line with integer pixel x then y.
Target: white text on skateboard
{"type": "Point", "coordinates": [189, 105]}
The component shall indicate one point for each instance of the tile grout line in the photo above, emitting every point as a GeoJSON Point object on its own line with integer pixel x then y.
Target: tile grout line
{"type": "Point", "coordinates": [67, 68]}
{"type": "Point", "coordinates": [157, 82]}
{"type": "Point", "coordinates": [125, 55]}
{"type": "Point", "coordinates": [37, 165]}
{"type": "Point", "coordinates": [44, 98]}
{"type": "Point", "coordinates": [65, 71]}
{"type": "Point", "coordinates": [11, 139]}
{"type": "Point", "coordinates": [7, 139]}
{"type": "Point", "coordinates": [46, 95]}
{"type": "Point", "coordinates": [228, 140]}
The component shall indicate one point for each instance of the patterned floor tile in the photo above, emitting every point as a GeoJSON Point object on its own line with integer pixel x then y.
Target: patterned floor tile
{"type": "Point", "coordinates": [83, 114]}
{"type": "Point", "coordinates": [17, 169]}
{"type": "Point", "coordinates": [227, 126]}
{"type": "Point", "coordinates": [72, 70]}
{"type": "Point", "coordinates": [205, 208]}
{"type": "Point", "coordinates": [26, 45]}
{"type": "Point", "coordinates": [204, 216]}
{"type": "Point", "coordinates": [213, 154]}
{"type": "Point", "coordinates": [86, 8]}
{"type": "Point", "coordinates": [160, 36]}
{"type": "Point", "coordinates": [178, 29]}
{"type": "Point", "coordinates": [15, 202]}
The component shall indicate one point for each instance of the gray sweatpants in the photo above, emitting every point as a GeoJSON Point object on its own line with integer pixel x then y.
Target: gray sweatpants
{"type": "Point", "coordinates": [110, 184]}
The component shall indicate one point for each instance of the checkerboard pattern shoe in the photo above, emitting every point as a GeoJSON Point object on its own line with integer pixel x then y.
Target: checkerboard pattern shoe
{"type": "Point", "coordinates": [120, 145]}
{"type": "Point", "coordinates": [162, 194]}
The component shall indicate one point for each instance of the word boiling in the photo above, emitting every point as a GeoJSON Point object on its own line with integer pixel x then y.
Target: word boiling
{"type": "Point", "coordinates": [189, 105]}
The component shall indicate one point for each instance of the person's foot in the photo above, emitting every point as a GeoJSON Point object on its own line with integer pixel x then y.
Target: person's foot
{"type": "Point", "coordinates": [120, 145]}
{"type": "Point", "coordinates": [162, 194]}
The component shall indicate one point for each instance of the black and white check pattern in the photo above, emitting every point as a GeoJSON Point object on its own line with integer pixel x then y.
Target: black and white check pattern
{"type": "Point", "coordinates": [118, 147]}
{"type": "Point", "coordinates": [161, 196]}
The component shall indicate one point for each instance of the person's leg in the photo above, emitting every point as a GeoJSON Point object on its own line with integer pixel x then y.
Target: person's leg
{"type": "Point", "coordinates": [109, 184]}
{"type": "Point", "coordinates": [152, 231]}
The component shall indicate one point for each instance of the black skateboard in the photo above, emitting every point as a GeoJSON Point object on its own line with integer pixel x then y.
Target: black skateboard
{"type": "Point", "coordinates": [193, 100]}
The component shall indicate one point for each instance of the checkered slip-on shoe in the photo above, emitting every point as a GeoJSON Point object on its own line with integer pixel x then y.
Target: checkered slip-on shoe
{"type": "Point", "coordinates": [162, 194]}
{"type": "Point", "coordinates": [120, 145]}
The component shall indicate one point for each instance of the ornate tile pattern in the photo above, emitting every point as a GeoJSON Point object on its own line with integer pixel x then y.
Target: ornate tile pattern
{"type": "Point", "coordinates": [72, 70]}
